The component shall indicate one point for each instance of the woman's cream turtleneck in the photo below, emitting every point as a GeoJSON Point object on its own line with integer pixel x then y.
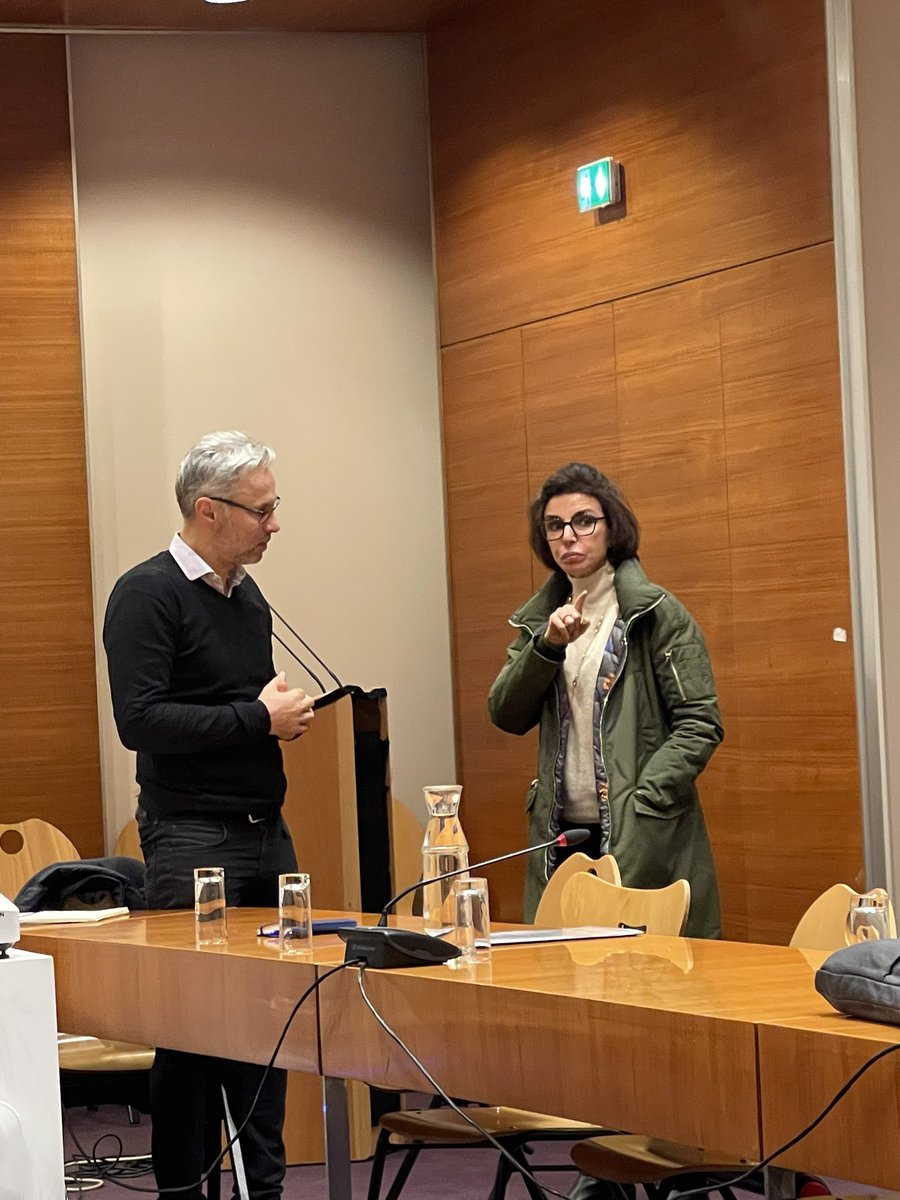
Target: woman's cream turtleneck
{"type": "Point", "coordinates": [580, 668]}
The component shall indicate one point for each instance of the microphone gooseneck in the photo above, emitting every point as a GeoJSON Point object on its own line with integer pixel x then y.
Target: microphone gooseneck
{"type": "Point", "coordinates": [296, 657]}
{"type": "Point", "coordinates": [305, 646]}
{"type": "Point", "coordinates": [572, 837]}
{"type": "Point", "coordinates": [379, 946]}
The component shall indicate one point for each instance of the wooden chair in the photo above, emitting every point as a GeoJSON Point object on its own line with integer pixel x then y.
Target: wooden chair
{"type": "Point", "coordinates": [826, 923]}
{"type": "Point", "coordinates": [27, 848]}
{"type": "Point", "coordinates": [128, 843]}
{"type": "Point", "coordinates": [92, 1070]}
{"type": "Point", "coordinates": [588, 900]}
{"type": "Point", "coordinates": [661, 1166]}
{"type": "Point", "coordinates": [549, 913]}
{"type": "Point", "coordinates": [441, 1128]}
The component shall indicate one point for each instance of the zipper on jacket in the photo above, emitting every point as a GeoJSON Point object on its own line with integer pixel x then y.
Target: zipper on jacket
{"type": "Point", "coordinates": [671, 663]}
{"type": "Point", "coordinates": [553, 805]}
{"type": "Point", "coordinates": [631, 620]}
{"type": "Point", "coordinates": [521, 625]}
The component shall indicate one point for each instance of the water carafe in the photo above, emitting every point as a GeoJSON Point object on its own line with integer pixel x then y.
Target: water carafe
{"type": "Point", "coordinates": [444, 849]}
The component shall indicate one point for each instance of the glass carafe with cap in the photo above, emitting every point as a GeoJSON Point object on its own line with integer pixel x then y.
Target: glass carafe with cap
{"type": "Point", "coordinates": [870, 916]}
{"type": "Point", "coordinates": [444, 849]}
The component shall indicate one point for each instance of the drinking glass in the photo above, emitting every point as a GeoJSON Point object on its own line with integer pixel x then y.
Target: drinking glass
{"type": "Point", "coordinates": [210, 924]}
{"type": "Point", "coordinates": [472, 931]}
{"type": "Point", "coordinates": [294, 914]}
{"type": "Point", "coordinates": [870, 916]}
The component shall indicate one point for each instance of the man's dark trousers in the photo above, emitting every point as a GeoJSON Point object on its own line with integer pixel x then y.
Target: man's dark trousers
{"type": "Point", "coordinates": [183, 1087]}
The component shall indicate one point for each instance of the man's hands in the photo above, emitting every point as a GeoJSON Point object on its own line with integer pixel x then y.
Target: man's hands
{"type": "Point", "coordinates": [566, 624]}
{"type": "Point", "coordinates": [290, 709]}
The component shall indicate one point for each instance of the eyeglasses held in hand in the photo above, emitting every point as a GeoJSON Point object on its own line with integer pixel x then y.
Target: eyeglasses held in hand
{"type": "Point", "coordinates": [261, 514]}
{"type": "Point", "coordinates": [581, 525]}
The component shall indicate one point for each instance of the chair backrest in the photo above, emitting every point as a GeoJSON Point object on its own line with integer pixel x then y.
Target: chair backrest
{"type": "Point", "coordinates": [128, 843]}
{"type": "Point", "coordinates": [549, 914]}
{"type": "Point", "coordinates": [587, 900]}
{"type": "Point", "coordinates": [27, 848]}
{"type": "Point", "coordinates": [826, 923]}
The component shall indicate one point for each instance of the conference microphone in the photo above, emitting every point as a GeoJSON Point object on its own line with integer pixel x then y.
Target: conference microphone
{"type": "Point", "coordinates": [378, 946]}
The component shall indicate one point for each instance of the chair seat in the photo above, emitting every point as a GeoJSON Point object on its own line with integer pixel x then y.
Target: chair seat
{"type": "Point", "coordinates": [446, 1125]}
{"type": "Point", "coordinates": [79, 1053]}
{"type": "Point", "coordinates": [631, 1158]}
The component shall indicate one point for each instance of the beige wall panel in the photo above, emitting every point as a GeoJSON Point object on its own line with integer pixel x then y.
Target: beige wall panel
{"type": "Point", "coordinates": [717, 111]}
{"type": "Point", "coordinates": [255, 241]}
{"type": "Point", "coordinates": [49, 755]}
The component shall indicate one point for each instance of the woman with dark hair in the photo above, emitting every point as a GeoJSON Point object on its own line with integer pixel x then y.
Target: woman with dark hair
{"type": "Point", "coordinates": [615, 672]}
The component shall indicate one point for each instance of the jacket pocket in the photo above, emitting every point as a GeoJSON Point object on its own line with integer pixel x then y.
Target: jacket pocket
{"type": "Point", "coordinates": [668, 810]}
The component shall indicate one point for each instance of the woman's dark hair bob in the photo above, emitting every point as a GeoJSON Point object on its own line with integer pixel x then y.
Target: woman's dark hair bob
{"type": "Point", "coordinates": [622, 529]}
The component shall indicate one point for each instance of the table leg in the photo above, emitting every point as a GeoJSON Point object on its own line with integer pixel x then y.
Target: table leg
{"type": "Point", "coordinates": [337, 1139]}
{"type": "Point", "coordinates": [779, 1184]}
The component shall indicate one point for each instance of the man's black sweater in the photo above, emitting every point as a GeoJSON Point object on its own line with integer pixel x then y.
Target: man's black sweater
{"type": "Point", "coordinates": [186, 666]}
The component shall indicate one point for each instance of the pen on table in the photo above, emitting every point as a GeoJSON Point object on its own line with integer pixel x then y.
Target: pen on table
{"type": "Point", "coordinates": [321, 925]}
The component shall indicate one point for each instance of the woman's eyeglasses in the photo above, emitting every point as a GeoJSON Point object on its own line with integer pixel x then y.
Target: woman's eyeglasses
{"type": "Point", "coordinates": [581, 525]}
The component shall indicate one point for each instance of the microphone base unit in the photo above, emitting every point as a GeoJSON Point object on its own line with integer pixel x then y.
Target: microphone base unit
{"type": "Point", "coordinates": [386, 949]}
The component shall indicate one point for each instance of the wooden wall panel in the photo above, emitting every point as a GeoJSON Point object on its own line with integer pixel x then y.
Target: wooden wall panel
{"type": "Point", "coordinates": [311, 16]}
{"type": "Point", "coordinates": [718, 112]}
{"type": "Point", "coordinates": [672, 442]}
{"type": "Point", "coordinates": [794, 698]}
{"type": "Point", "coordinates": [782, 400]}
{"type": "Point", "coordinates": [49, 757]}
{"type": "Point", "coordinates": [487, 491]}
{"type": "Point", "coordinates": [690, 351]}
{"type": "Point", "coordinates": [571, 406]}
{"type": "Point", "coordinates": [703, 401]}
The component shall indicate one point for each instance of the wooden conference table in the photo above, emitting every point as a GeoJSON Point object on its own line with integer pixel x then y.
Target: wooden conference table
{"type": "Point", "coordinates": [721, 1044]}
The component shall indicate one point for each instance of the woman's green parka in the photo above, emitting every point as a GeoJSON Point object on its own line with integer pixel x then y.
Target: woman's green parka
{"type": "Point", "coordinates": [658, 725]}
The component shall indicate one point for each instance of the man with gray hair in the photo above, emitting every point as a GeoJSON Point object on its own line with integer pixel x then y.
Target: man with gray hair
{"type": "Point", "coordinates": [188, 639]}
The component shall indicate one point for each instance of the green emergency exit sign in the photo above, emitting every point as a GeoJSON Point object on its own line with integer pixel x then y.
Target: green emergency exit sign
{"type": "Point", "coordinates": [598, 184]}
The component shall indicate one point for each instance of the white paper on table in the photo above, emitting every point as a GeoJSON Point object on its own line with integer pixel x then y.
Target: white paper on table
{"type": "Point", "coordinates": [71, 916]}
{"type": "Point", "coordinates": [517, 937]}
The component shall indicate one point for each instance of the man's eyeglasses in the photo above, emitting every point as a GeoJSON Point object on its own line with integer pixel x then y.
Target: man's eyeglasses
{"type": "Point", "coordinates": [581, 525]}
{"type": "Point", "coordinates": [261, 514]}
